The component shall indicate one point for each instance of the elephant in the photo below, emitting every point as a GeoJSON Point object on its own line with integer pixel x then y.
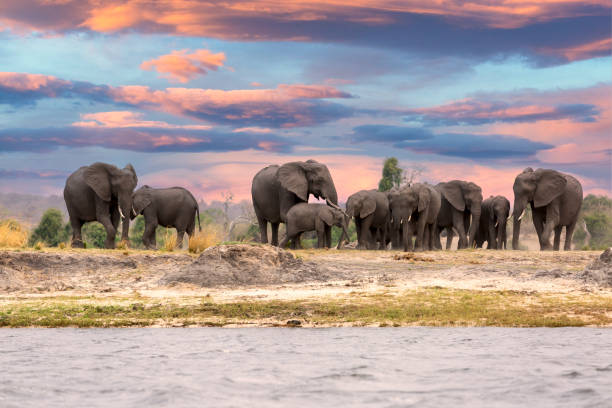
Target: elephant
{"type": "Point", "coordinates": [304, 217]}
{"type": "Point", "coordinates": [493, 221]}
{"type": "Point", "coordinates": [461, 200]}
{"type": "Point", "coordinates": [169, 207]}
{"type": "Point", "coordinates": [555, 199]}
{"type": "Point", "coordinates": [413, 209]}
{"type": "Point", "coordinates": [371, 211]}
{"type": "Point", "coordinates": [275, 189]}
{"type": "Point", "coordinates": [100, 192]}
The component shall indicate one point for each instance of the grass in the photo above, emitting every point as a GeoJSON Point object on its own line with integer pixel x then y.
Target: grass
{"type": "Point", "coordinates": [12, 234]}
{"type": "Point", "coordinates": [424, 307]}
{"type": "Point", "coordinates": [201, 240]}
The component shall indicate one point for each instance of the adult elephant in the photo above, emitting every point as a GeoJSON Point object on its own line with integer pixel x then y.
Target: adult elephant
{"type": "Point", "coordinates": [100, 192]}
{"type": "Point", "coordinates": [275, 189]}
{"type": "Point", "coordinates": [173, 207]}
{"type": "Point", "coordinates": [416, 207]}
{"type": "Point", "coordinates": [555, 199]}
{"type": "Point", "coordinates": [493, 221]}
{"type": "Point", "coordinates": [460, 210]}
{"type": "Point", "coordinates": [371, 211]}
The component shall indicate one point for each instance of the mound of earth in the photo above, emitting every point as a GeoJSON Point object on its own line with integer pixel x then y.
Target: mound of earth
{"type": "Point", "coordinates": [244, 264]}
{"type": "Point", "coordinates": [600, 270]}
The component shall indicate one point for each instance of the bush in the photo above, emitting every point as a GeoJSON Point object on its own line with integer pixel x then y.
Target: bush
{"type": "Point", "coordinates": [12, 234]}
{"type": "Point", "coordinates": [596, 216]}
{"type": "Point", "coordinates": [210, 236]}
{"type": "Point", "coordinates": [94, 235]}
{"type": "Point", "coordinates": [51, 229]}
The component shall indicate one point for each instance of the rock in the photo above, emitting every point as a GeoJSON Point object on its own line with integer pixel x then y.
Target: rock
{"type": "Point", "coordinates": [294, 323]}
{"type": "Point", "coordinates": [243, 264]}
{"type": "Point", "coordinates": [600, 270]}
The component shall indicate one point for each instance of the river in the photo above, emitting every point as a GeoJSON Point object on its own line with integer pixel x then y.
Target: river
{"type": "Point", "coordinates": [278, 367]}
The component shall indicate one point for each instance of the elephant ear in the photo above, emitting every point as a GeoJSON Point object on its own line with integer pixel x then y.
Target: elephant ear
{"type": "Point", "coordinates": [326, 216]}
{"type": "Point", "coordinates": [453, 193]}
{"type": "Point", "coordinates": [350, 207]}
{"type": "Point", "coordinates": [142, 199]}
{"type": "Point", "coordinates": [293, 178]}
{"type": "Point", "coordinates": [551, 184]}
{"type": "Point", "coordinates": [424, 198]}
{"type": "Point", "coordinates": [368, 206]}
{"type": "Point", "coordinates": [98, 178]}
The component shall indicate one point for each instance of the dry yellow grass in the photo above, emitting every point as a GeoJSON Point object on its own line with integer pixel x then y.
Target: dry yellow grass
{"type": "Point", "coordinates": [170, 241]}
{"type": "Point", "coordinates": [204, 239]}
{"type": "Point", "coordinates": [12, 234]}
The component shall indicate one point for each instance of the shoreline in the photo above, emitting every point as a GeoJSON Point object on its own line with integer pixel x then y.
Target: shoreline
{"type": "Point", "coordinates": [89, 288]}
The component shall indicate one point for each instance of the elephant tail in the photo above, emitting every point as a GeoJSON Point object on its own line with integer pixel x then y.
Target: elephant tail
{"type": "Point", "coordinates": [198, 214]}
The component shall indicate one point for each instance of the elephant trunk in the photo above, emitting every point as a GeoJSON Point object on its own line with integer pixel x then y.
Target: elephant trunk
{"type": "Point", "coordinates": [517, 215]}
{"type": "Point", "coordinates": [331, 195]}
{"type": "Point", "coordinates": [125, 207]}
{"type": "Point", "coordinates": [344, 234]}
{"type": "Point", "coordinates": [474, 224]}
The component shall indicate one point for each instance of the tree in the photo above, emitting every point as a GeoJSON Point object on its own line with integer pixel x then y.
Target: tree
{"type": "Point", "coordinates": [51, 229]}
{"type": "Point", "coordinates": [94, 234]}
{"type": "Point", "coordinates": [594, 226]}
{"type": "Point", "coordinates": [391, 175]}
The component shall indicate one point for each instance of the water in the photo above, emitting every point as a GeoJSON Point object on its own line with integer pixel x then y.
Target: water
{"type": "Point", "coordinates": [389, 367]}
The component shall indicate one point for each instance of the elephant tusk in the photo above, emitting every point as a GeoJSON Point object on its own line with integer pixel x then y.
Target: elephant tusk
{"type": "Point", "coordinates": [509, 218]}
{"type": "Point", "coordinates": [409, 218]}
{"type": "Point", "coordinates": [522, 215]}
{"type": "Point", "coordinates": [332, 205]}
{"type": "Point", "coordinates": [496, 224]}
{"type": "Point", "coordinates": [120, 212]}
{"type": "Point", "coordinates": [134, 211]}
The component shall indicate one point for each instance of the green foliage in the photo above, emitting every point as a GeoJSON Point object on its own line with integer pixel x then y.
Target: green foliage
{"type": "Point", "coordinates": [336, 232]}
{"type": "Point", "coordinates": [94, 235]}
{"type": "Point", "coordinates": [211, 216]}
{"type": "Point", "coordinates": [51, 229]}
{"type": "Point", "coordinates": [391, 175]}
{"type": "Point", "coordinates": [137, 227]}
{"type": "Point", "coordinates": [596, 215]}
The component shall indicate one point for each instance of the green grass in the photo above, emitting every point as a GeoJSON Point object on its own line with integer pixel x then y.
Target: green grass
{"type": "Point", "coordinates": [427, 307]}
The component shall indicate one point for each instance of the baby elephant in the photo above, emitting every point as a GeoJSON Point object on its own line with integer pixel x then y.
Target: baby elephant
{"type": "Point", "coordinates": [314, 217]}
{"type": "Point", "coordinates": [169, 207]}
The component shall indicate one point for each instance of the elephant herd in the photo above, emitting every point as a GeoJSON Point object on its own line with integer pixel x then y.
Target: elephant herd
{"type": "Point", "coordinates": [411, 217]}
{"type": "Point", "coordinates": [414, 216]}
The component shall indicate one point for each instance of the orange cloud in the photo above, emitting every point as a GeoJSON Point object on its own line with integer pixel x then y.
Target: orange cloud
{"type": "Point", "coordinates": [180, 66]}
{"type": "Point", "coordinates": [31, 82]}
{"type": "Point", "coordinates": [126, 119]}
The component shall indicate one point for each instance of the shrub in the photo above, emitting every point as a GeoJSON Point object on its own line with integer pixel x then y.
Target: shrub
{"type": "Point", "coordinates": [201, 240]}
{"type": "Point", "coordinates": [170, 240]}
{"type": "Point", "coordinates": [94, 235]}
{"type": "Point", "coordinates": [51, 230]}
{"type": "Point", "coordinates": [12, 234]}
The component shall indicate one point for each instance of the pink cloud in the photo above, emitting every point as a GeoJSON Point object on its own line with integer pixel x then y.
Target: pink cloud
{"type": "Point", "coordinates": [181, 66]}
{"type": "Point", "coordinates": [24, 82]}
{"type": "Point", "coordinates": [126, 119]}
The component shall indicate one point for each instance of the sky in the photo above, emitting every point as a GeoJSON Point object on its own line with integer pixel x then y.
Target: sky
{"type": "Point", "coordinates": [204, 95]}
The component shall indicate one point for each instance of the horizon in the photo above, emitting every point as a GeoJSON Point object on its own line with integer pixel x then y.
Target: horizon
{"type": "Point", "coordinates": [205, 96]}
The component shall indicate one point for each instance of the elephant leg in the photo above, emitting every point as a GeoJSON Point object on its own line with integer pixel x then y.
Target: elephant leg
{"type": "Point", "coordinates": [366, 234]}
{"type": "Point", "coordinates": [557, 241]}
{"type": "Point", "coordinates": [180, 236]}
{"type": "Point", "coordinates": [286, 238]}
{"type": "Point", "coordinates": [449, 237]}
{"type": "Point", "coordinates": [569, 233]}
{"type": "Point", "coordinates": [148, 238]}
{"type": "Point", "coordinates": [358, 230]}
{"type": "Point", "coordinates": [321, 238]}
{"type": "Point", "coordinates": [297, 241]}
{"type": "Point", "coordinates": [538, 223]}
{"type": "Point", "coordinates": [263, 229]}
{"type": "Point", "coordinates": [552, 220]}
{"type": "Point", "coordinates": [420, 230]}
{"type": "Point", "coordinates": [77, 239]}
{"type": "Point", "coordinates": [491, 237]}
{"type": "Point", "coordinates": [328, 238]}
{"type": "Point", "coordinates": [274, 233]}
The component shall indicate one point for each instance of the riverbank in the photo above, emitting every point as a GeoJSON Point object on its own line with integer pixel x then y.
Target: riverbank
{"type": "Point", "coordinates": [260, 286]}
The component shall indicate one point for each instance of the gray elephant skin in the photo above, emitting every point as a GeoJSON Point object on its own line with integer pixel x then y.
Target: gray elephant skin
{"type": "Point", "coordinates": [371, 211]}
{"type": "Point", "coordinates": [304, 217]}
{"type": "Point", "coordinates": [275, 189]}
{"type": "Point", "coordinates": [100, 192]}
{"type": "Point", "coordinates": [460, 210]}
{"type": "Point", "coordinates": [555, 199]}
{"type": "Point", "coordinates": [414, 210]}
{"type": "Point", "coordinates": [173, 207]}
{"type": "Point", "coordinates": [493, 223]}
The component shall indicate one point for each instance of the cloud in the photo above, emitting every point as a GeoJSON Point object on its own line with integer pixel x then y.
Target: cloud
{"type": "Point", "coordinates": [287, 105]}
{"type": "Point", "coordinates": [180, 66]}
{"type": "Point", "coordinates": [545, 32]}
{"type": "Point", "coordinates": [140, 139]}
{"type": "Point", "coordinates": [469, 146]}
{"type": "Point", "coordinates": [31, 174]}
{"type": "Point", "coordinates": [126, 119]}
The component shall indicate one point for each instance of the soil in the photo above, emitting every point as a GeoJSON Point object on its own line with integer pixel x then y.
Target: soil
{"type": "Point", "coordinates": [264, 272]}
